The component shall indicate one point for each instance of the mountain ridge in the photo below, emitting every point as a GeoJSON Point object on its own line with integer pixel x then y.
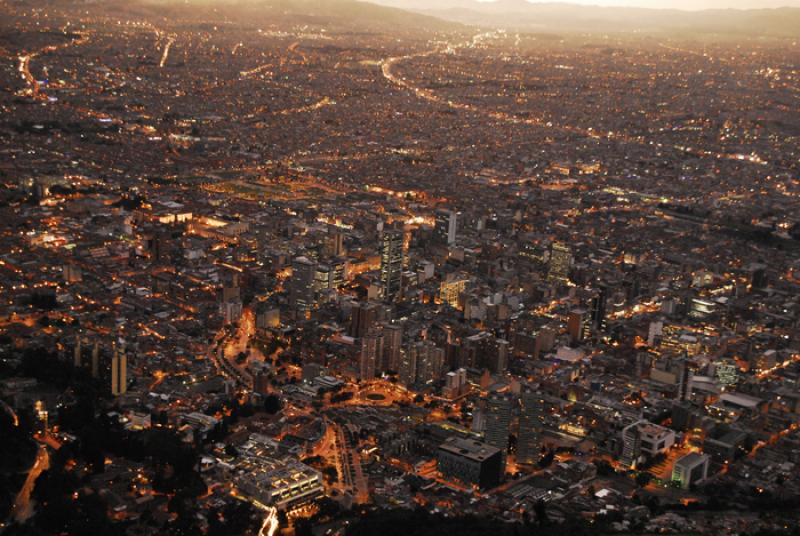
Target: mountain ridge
{"type": "Point", "coordinates": [566, 17]}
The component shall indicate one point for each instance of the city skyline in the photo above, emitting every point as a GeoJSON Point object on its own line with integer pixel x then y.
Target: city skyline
{"type": "Point", "coordinates": [308, 268]}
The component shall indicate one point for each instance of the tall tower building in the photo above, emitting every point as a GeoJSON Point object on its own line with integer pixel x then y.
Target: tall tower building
{"type": "Point", "coordinates": [577, 325]}
{"type": "Point", "coordinates": [599, 308]}
{"type": "Point", "coordinates": [431, 369]}
{"type": "Point", "coordinates": [560, 263]}
{"type": "Point", "coordinates": [429, 361]}
{"type": "Point", "coordinates": [363, 318]}
{"type": "Point", "coordinates": [96, 360]}
{"type": "Point", "coordinates": [77, 356]}
{"type": "Point", "coordinates": [335, 242]}
{"type": "Point", "coordinates": [631, 446]}
{"type": "Point", "coordinates": [498, 421]}
{"type": "Point", "coordinates": [446, 227]}
{"type": "Point", "coordinates": [119, 370]}
{"type": "Point", "coordinates": [392, 346]}
{"type": "Point", "coordinates": [408, 366]}
{"type": "Point", "coordinates": [371, 350]}
{"type": "Point", "coordinates": [391, 252]}
{"type": "Point", "coordinates": [529, 438]}
{"type": "Point", "coordinates": [301, 286]}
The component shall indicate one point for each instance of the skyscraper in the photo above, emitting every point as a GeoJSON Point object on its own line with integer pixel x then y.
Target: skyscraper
{"type": "Point", "coordinates": [119, 370]}
{"type": "Point", "coordinates": [77, 356]}
{"type": "Point", "coordinates": [363, 318]}
{"type": "Point", "coordinates": [391, 252]}
{"type": "Point", "coordinates": [498, 421]}
{"type": "Point", "coordinates": [577, 325]}
{"type": "Point", "coordinates": [392, 345]}
{"type": "Point", "coordinates": [599, 308]}
{"type": "Point", "coordinates": [446, 227]}
{"type": "Point", "coordinates": [301, 286]}
{"type": "Point", "coordinates": [560, 263]}
{"type": "Point", "coordinates": [408, 366]}
{"type": "Point", "coordinates": [529, 438]}
{"type": "Point", "coordinates": [371, 350]}
{"type": "Point", "coordinates": [631, 446]}
{"type": "Point", "coordinates": [428, 360]}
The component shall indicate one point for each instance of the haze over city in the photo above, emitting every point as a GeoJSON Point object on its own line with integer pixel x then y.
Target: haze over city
{"type": "Point", "coordinates": [330, 267]}
{"type": "Point", "coordinates": [683, 4]}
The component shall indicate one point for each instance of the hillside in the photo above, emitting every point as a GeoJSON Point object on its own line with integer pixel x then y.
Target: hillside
{"type": "Point", "coordinates": [562, 17]}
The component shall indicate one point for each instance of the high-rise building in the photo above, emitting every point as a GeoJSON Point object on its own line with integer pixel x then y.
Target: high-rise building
{"type": "Point", "coordinates": [371, 350]}
{"type": "Point", "coordinates": [77, 357]}
{"type": "Point", "coordinates": [392, 255]}
{"type": "Point", "coordinates": [119, 370]}
{"type": "Point", "coordinates": [301, 287]}
{"type": "Point", "coordinates": [96, 360]}
{"type": "Point", "coordinates": [335, 243]}
{"type": "Point", "coordinates": [446, 227]}
{"type": "Point", "coordinates": [484, 351]}
{"type": "Point", "coordinates": [498, 421]}
{"type": "Point", "coordinates": [577, 326]}
{"type": "Point", "coordinates": [428, 361]}
{"type": "Point", "coordinates": [599, 308]}
{"type": "Point", "coordinates": [727, 372]}
{"type": "Point", "coordinates": [408, 366]}
{"type": "Point", "coordinates": [392, 346]}
{"type": "Point", "coordinates": [531, 419]}
{"type": "Point", "coordinates": [329, 275]}
{"type": "Point", "coordinates": [631, 446]}
{"type": "Point", "coordinates": [560, 263]}
{"type": "Point", "coordinates": [363, 318]}
{"type": "Point", "coordinates": [455, 383]}
{"type": "Point", "coordinates": [451, 288]}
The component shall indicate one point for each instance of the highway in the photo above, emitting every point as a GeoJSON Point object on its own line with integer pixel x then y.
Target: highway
{"type": "Point", "coordinates": [11, 413]}
{"type": "Point", "coordinates": [23, 509]}
{"type": "Point", "coordinates": [270, 525]}
{"type": "Point", "coordinates": [165, 53]}
{"type": "Point", "coordinates": [388, 64]}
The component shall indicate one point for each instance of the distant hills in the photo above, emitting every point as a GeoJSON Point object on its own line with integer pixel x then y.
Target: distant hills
{"type": "Point", "coordinates": [332, 15]}
{"type": "Point", "coordinates": [521, 15]}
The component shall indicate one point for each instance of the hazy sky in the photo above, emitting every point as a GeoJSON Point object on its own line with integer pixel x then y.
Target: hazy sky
{"type": "Point", "coordinates": [688, 4]}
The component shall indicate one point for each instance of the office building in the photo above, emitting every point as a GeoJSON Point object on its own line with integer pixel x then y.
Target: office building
{"type": "Point", "coordinates": [559, 264]}
{"type": "Point", "coordinates": [370, 356]}
{"type": "Point", "coordinates": [392, 346]}
{"type": "Point", "coordinates": [577, 326]}
{"type": "Point", "coordinates": [392, 257]}
{"type": "Point", "coordinates": [531, 421]}
{"type": "Point", "coordinates": [498, 421]}
{"type": "Point", "coordinates": [691, 469]}
{"type": "Point", "coordinates": [451, 288]}
{"type": "Point", "coordinates": [363, 318]}
{"type": "Point", "coordinates": [301, 287]}
{"type": "Point", "coordinates": [119, 370]}
{"type": "Point", "coordinates": [283, 484]}
{"type": "Point", "coordinates": [471, 462]}
{"type": "Point", "coordinates": [446, 227]}
{"type": "Point", "coordinates": [726, 372]}
{"type": "Point", "coordinates": [599, 309]}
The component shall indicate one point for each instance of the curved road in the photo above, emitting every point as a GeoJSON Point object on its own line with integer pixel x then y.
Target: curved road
{"type": "Point", "coordinates": [389, 63]}
{"type": "Point", "coordinates": [23, 509]}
